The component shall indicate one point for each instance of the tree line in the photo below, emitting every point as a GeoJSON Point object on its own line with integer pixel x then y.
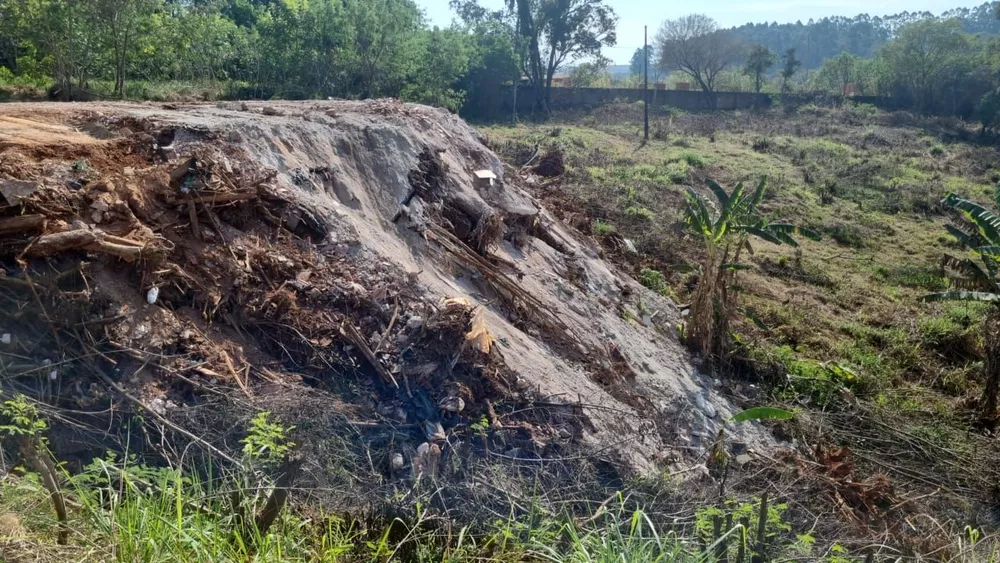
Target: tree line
{"type": "Point", "coordinates": [861, 35]}
{"type": "Point", "coordinates": [301, 49]}
{"type": "Point", "coordinates": [261, 48]}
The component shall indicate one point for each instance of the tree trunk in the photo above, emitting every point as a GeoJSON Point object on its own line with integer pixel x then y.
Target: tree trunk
{"type": "Point", "coordinates": [991, 345]}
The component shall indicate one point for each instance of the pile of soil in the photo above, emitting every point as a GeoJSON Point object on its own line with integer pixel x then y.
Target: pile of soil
{"type": "Point", "coordinates": [337, 265]}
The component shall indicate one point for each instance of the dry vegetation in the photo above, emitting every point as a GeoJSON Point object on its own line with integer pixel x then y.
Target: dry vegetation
{"type": "Point", "coordinates": [838, 330]}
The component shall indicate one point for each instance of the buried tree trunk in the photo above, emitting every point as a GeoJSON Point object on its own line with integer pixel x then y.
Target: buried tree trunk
{"type": "Point", "coordinates": [991, 345]}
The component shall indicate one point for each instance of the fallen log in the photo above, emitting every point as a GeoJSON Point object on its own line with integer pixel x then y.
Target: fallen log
{"type": "Point", "coordinates": [89, 240]}
{"type": "Point", "coordinates": [21, 223]}
{"type": "Point", "coordinates": [221, 198]}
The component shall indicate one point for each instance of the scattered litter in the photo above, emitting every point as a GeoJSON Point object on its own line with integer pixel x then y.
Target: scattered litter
{"type": "Point", "coordinates": [5, 338]}
{"type": "Point", "coordinates": [434, 431]}
{"type": "Point", "coordinates": [152, 295]}
{"type": "Point", "coordinates": [452, 404]}
{"type": "Point", "coordinates": [397, 462]}
{"type": "Point", "coordinates": [485, 178]}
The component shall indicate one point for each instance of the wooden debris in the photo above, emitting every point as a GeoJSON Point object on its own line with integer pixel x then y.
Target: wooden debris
{"type": "Point", "coordinates": [223, 198]}
{"type": "Point", "coordinates": [350, 332]}
{"type": "Point", "coordinates": [21, 224]}
{"type": "Point", "coordinates": [178, 174]}
{"type": "Point", "coordinates": [89, 240]}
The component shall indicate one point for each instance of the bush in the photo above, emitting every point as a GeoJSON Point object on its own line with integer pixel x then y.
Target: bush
{"type": "Point", "coordinates": [654, 280]}
{"type": "Point", "coordinates": [762, 144]}
{"type": "Point", "coordinates": [846, 235]}
{"type": "Point", "coordinates": [678, 172]}
{"type": "Point", "coordinates": [937, 150]}
{"type": "Point", "coordinates": [602, 227]}
{"type": "Point", "coordinates": [693, 159]}
{"type": "Point", "coordinates": [639, 212]}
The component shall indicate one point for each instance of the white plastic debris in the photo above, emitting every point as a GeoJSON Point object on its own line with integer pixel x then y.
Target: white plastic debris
{"type": "Point", "coordinates": [152, 295]}
{"type": "Point", "coordinates": [630, 246]}
{"type": "Point", "coordinates": [5, 338]}
{"type": "Point", "coordinates": [53, 375]}
{"type": "Point", "coordinates": [397, 462]}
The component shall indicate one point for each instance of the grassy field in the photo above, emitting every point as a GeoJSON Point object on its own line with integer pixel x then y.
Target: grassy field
{"type": "Point", "coordinates": [871, 183]}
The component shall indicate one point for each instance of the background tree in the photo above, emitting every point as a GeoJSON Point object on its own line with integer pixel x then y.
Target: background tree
{"type": "Point", "coordinates": [638, 63]}
{"type": "Point", "coordinates": [444, 57]}
{"type": "Point", "coordinates": [694, 45]}
{"type": "Point", "coordinates": [759, 61]}
{"type": "Point", "coordinates": [837, 74]}
{"type": "Point", "coordinates": [921, 57]}
{"type": "Point", "coordinates": [789, 66]}
{"type": "Point", "coordinates": [591, 74]}
{"type": "Point", "coordinates": [120, 23]}
{"type": "Point", "coordinates": [558, 31]}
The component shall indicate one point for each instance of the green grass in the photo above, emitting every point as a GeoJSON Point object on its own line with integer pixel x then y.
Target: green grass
{"type": "Point", "coordinates": [602, 227]}
{"type": "Point", "coordinates": [870, 187]}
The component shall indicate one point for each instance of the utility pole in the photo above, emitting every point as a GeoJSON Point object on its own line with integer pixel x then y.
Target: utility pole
{"type": "Point", "coordinates": [645, 80]}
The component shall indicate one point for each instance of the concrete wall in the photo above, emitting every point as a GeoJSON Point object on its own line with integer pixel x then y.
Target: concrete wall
{"type": "Point", "coordinates": [583, 98]}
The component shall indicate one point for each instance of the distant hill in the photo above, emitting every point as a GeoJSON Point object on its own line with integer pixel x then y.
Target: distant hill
{"type": "Point", "coordinates": [861, 35]}
{"type": "Point", "coordinates": [619, 71]}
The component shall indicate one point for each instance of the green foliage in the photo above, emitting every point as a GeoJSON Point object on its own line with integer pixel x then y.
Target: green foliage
{"type": "Point", "coordinates": [19, 417]}
{"type": "Point", "coordinates": [593, 74]}
{"type": "Point", "coordinates": [637, 65]}
{"type": "Point", "coordinates": [619, 535]}
{"type": "Point", "coordinates": [677, 172]}
{"type": "Point", "coordinates": [654, 280]}
{"type": "Point", "coordinates": [758, 62]}
{"type": "Point", "coordinates": [974, 279]}
{"type": "Point", "coordinates": [726, 232]}
{"type": "Point", "coordinates": [774, 524]}
{"type": "Point", "coordinates": [693, 159]}
{"type": "Point", "coordinates": [789, 66]}
{"type": "Point", "coordinates": [602, 227]}
{"type": "Point", "coordinates": [639, 212]}
{"type": "Point", "coordinates": [266, 441]}
{"type": "Point", "coordinates": [762, 413]}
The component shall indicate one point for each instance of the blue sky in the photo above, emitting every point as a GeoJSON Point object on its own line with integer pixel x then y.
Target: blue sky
{"type": "Point", "coordinates": [633, 14]}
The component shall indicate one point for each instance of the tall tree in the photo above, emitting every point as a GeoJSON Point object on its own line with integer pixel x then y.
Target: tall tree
{"type": "Point", "coordinates": [120, 23]}
{"type": "Point", "coordinates": [922, 56]}
{"type": "Point", "coordinates": [759, 61]}
{"type": "Point", "coordinates": [638, 63]}
{"type": "Point", "coordinates": [694, 45]}
{"type": "Point", "coordinates": [559, 31]}
{"type": "Point", "coordinates": [789, 66]}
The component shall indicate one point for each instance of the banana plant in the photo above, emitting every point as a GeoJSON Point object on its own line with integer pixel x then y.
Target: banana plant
{"type": "Point", "coordinates": [726, 231]}
{"type": "Point", "coordinates": [976, 277]}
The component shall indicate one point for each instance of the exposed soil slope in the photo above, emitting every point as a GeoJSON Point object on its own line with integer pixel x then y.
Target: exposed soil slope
{"type": "Point", "coordinates": [326, 260]}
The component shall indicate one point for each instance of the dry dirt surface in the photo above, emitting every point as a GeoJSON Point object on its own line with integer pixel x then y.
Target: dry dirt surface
{"type": "Point", "coordinates": [332, 261]}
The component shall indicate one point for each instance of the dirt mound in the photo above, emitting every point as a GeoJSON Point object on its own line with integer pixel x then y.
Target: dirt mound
{"type": "Point", "coordinates": [340, 264]}
{"type": "Point", "coordinates": [551, 165]}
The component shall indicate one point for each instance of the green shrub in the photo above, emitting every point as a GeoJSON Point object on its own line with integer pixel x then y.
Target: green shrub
{"type": "Point", "coordinates": [846, 235]}
{"type": "Point", "coordinates": [602, 227]}
{"type": "Point", "coordinates": [654, 280]}
{"type": "Point", "coordinates": [693, 159]}
{"type": "Point", "coordinates": [639, 212]}
{"type": "Point", "coordinates": [678, 172]}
